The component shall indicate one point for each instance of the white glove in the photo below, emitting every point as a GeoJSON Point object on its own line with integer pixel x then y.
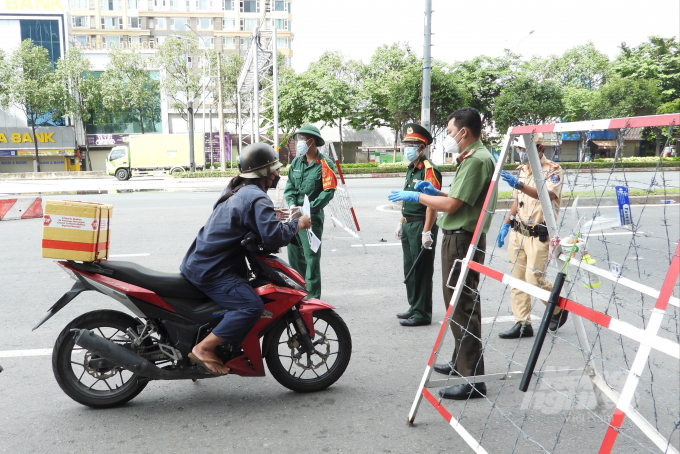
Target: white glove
{"type": "Point", "coordinates": [295, 213]}
{"type": "Point", "coordinates": [427, 240]}
{"type": "Point", "coordinates": [397, 233]}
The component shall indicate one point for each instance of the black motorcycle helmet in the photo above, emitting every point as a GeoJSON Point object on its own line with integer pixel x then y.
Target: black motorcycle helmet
{"type": "Point", "coordinates": [259, 160]}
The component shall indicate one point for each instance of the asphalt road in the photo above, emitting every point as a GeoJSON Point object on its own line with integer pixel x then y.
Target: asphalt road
{"type": "Point", "coordinates": [366, 410]}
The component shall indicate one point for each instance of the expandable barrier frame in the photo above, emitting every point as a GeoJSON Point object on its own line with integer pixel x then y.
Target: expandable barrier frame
{"type": "Point", "coordinates": [341, 205]}
{"type": "Point", "coordinates": [648, 337]}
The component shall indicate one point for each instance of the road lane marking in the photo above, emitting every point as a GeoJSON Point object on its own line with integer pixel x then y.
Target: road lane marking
{"type": "Point", "coordinates": [377, 244]}
{"type": "Point", "coordinates": [130, 255]}
{"type": "Point", "coordinates": [505, 318]}
{"type": "Point", "coordinates": [21, 353]}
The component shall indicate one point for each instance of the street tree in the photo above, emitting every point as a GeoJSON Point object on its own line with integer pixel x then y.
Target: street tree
{"type": "Point", "coordinates": [482, 79]}
{"type": "Point", "coordinates": [657, 60]}
{"type": "Point", "coordinates": [337, 83]}
{"type": "Point", "coordinates": [625, 97]}
{"type": "Point", "coordinates": [127, 84]}
{"type": "Point", "coordinates": [82, 91]}
{"type": "Point", "coordinates": [4, 79]}
{"type": "Point", "coordinates": [181, 78]}
{"type": "Point", "coordinates": [528, 101]}
{"type": "Point", "coordinates": [33, 87]}
{"type": "Point", "coordinates": [582, 66]}
{"type": "Point", "coordinates": [296, 100]}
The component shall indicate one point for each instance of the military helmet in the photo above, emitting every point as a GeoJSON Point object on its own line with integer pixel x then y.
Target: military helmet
{"type": "Point", "coordinates": [258, 160]}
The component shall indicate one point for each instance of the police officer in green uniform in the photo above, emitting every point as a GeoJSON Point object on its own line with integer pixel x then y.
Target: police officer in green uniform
{"type": "Point", "coordinates": [312, 174]}
{"type": "Point", "coordinates": [417, 229]}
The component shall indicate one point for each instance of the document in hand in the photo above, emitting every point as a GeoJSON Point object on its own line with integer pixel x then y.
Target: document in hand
{"type": "Point", "coordinates": [314, 242]}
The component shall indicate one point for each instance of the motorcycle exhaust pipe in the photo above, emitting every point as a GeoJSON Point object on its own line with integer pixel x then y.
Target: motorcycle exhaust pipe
{"type": "Point", "coordinates": [123, 357]}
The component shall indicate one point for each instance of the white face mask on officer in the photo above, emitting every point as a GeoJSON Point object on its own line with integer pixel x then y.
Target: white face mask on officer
{"type": "Point", "coordinates": [451, 146]}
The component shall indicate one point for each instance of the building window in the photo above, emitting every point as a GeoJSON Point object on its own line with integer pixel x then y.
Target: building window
{"type": "Point", "coordinates": [228, 5]}
{"type": "Point", "coordinates": [160, 5]}
{"type": "Point", "coordinates": [80, 21]}
{"type": "Point", "coordinates": [44, 33]}
{"type": "Point", "coordinates": [204, 5]}
{"type": "Point", "coordinates": [112, 23]}
{"type": "Point", "coordinates": [135, 41]}
{"type": "Point", "coordinates": [205, 24]}
{"type": "Point", "coordinates": [111, 5]}
{"type": "Point", "coordinates": [228, 42]}
{"type": "Point", "coordinates": [134, 22]}
{"type": "Point", "coordinates": [79, 4]}
{"type": "Point", "coordinates": [81, 40]}
{"type": "Point", "coordinates": [245, 43]}
{"type": "Point", "coordinates": [250, 6]}
{"type": "Point", "coordinates": [161, 39]}
{"type": "Point", "coordinates": [228, 24]}
{"type": "Point", "coordinates": [179, 24]}
{"type": "Point", "coordinates": [281, 24]}
{"type": "Point", "coordinates": [189, 62]}
{"type": "Point", "coordinates": [248, 24]}
{"type": "Point", "coordinates": [133, 4]}
{"type": "Point", "coordinates": [282, 43]}
{"type": "Point", "coordinates": [206, 43]}
{"type": "Point", "coordinates": [161, 23]}
{"type": "Point", "coordinates": [280, 5]}
{"type": "Point", "coordinates": [110, 41]}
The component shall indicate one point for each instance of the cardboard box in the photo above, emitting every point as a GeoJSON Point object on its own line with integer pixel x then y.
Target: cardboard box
{"type": "Point", "coordinates": [76, 230]}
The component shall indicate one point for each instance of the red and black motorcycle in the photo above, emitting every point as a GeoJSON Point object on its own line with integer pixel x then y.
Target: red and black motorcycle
{"type": "Point", "coordinates": [105, 358]}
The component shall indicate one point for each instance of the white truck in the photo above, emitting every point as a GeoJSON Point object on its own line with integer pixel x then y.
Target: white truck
{"type": "Point", "coordinates": [151, 153]}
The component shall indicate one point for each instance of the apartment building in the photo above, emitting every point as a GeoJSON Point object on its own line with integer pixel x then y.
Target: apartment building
{"type": "Point", "coordinates": [224, 25]}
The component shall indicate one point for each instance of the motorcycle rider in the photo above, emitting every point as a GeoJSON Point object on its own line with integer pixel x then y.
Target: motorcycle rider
{"type": "Point", "coordinates": [215, 262]}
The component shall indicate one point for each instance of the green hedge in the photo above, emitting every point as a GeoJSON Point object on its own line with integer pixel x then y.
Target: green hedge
{"type": "Point", "coordinates": [352, 169]}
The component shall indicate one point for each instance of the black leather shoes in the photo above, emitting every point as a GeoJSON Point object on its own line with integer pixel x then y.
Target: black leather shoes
{"type": "Point", "coordinates": [557, 320]}
{"type": "Point", "coordinates": [463, 392]}
{"type": "Point", "coordinates": [413, 322]}
{"type": "Point", "coordinates": [446, 369]}
{"type": "Point", "coordinates": [517, 331]}
{"type": "Point", "coordinates": [404, 315]}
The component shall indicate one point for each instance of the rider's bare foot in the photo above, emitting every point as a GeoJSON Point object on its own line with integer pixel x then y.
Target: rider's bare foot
{"type": "Point", "coordinates": [205, 355]}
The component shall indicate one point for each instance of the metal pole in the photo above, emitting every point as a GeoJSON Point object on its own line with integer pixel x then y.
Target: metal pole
{"type": "Point", "coordinates": [256, 85]}
{"type": "Point", "coordinates": [427, 63]}
{"type": "Point", "coordinates": [239, 118]}
{"type": "Point", "coordinates": [275, 95]}
{"type": "Point", "coordinates": [190, 110]}
{"type": "Point", "coordinates": [223, 155]}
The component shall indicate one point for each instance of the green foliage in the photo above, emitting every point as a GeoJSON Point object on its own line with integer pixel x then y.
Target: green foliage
{"type": "Point", "coordinates": [483, 78]}
{"type": "Point", "coordinates": [180, 82]}
{"type": "Point", "coordinates": [83, 89]}
{"type": "Point", "coordinates": [127, 84]}
{"type": "Point", "coordinates": [528, 101]}
{"type": "Point", "coordinates": [624, 98]}
{"type": "Point", "coordinates": [4, 80]}
{"type": "Point", "coordinates": [657, 60]}
{"type": "Point", "coordinates": [580, 67]}
{"type": "Point", "coordinates": [669, 107]}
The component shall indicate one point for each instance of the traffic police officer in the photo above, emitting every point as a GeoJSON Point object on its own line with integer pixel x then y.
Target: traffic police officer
{"type": "Point", "coordinates": [529, 241]}
{"type": "Point", "coordinates": [312, 174]}
{"type": "Point", "coordinates": [417, 229]}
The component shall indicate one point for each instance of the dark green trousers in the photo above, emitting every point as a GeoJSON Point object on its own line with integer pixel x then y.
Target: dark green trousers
{"type": "Point", "coordinates": [419, 285]}
{"type": "Point", "coordinates": [467, 316]}
{"type": "Point", "coordinates": [305, 261]}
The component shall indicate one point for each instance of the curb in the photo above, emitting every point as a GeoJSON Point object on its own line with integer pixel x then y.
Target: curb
{"type": "Point", "coordinates": [21, 208]}
{"type": "Point", "coordinates": [54, 175]}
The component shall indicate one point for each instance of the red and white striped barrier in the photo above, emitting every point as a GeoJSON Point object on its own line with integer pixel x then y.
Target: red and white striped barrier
{"type": "Point", "coordinates": [647, 336]}
{"type": "Point", "coordinates": [21, 208]}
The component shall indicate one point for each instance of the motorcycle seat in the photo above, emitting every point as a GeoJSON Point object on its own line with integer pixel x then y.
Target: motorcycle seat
{"type": "Point", "coordinates": [163, 284]}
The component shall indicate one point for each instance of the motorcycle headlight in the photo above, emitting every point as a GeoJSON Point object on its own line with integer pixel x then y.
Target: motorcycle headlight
{"type": "Point", "coordinates": [290, 281]}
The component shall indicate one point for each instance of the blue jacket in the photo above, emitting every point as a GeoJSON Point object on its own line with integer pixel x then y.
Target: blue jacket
{"type": "Point", "coordinates": [217, 251]}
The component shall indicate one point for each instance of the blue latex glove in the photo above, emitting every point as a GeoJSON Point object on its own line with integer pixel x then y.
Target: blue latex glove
{"type": "Point", "coordinates": [500, 241]}
{"type": "Point", "coordinates": [406, 196]}
{"type": "Point", "coordinates": [426, 188]}
{"type": "Point", "coordinates": [510, 179]}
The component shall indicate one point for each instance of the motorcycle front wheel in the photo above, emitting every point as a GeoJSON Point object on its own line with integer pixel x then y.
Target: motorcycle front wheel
{"type": "Point", "coordinates": [77, 370]}
{"type": "Point", "coordinates": [290, 365]}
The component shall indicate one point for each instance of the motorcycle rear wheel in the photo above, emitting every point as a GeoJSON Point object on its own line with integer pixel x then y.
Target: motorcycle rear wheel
{"type": "Point", "coordinates": [96, 388]}
{"type": "Point", "coordinates": [333, 349]}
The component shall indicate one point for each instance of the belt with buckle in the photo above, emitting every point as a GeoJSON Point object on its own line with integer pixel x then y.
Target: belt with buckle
{"type": "Point", "coordinates": [414, 218]}
{"type": "Point", "coordinates": [456, 232]}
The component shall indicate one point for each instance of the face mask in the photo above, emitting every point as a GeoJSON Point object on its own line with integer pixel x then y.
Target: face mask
{"type": "Point", "coordinates": [301, 147]}
{"type": "Point", "coordinates": [274, 182]}
{"type": "Point", "coordinates": [523, 157]}
{"type": "Point", "coordinates": [450, 144]}
{"type": "Point", "coordinates": [411, 153]}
